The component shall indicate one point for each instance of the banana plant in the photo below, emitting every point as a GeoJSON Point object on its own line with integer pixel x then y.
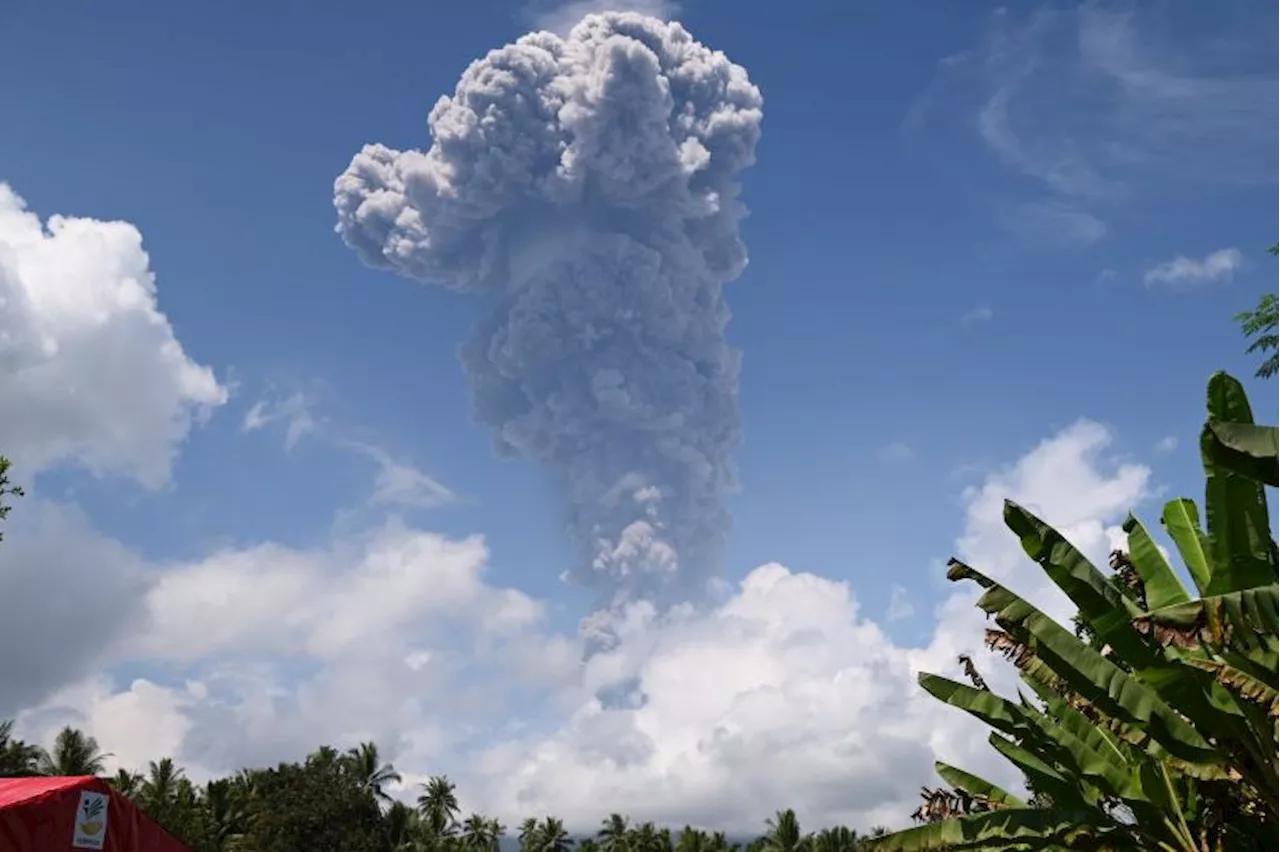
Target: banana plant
{"type": "Point", "coordinates": [1156, 728]}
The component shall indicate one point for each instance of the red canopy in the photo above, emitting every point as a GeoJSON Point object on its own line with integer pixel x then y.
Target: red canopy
{"type": "Point", "coordinates": [67, 814]}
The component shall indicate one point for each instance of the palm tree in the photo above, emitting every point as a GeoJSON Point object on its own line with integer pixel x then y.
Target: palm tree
{"type": "Point", "coordinates": [161, 782]}
{"type": "Point", "coordinates": [529, 830]}
{"type": "Point", "coordinates": [438, 805]}
{"type": "Point", "coordinates": [644, 838]}
{"type": "Point", "coordinates": [553, 836]}
{"type": "Point", "coordinates": [614, 834]}
{"type": "Point", "coordinates": [402, 826]}
{"type": "Point", "coordinates": [496, 832]}
{"type": "Point", "coordinates": [838, 839]}
{"type": "Point", "coordinates": [160, 788]}
{"type": "Point", "coordinates": [17, 758]}
{"type": "Point", "coordinates": [588, 844]}
{"type": "Point", "coordinates": [481, 834]}
{"type": "Point", "coordinates": [185, 813]}
{"type": "Point", "coordinates": [720, 843]}
{"type": "Point", "coordinates": [692, 840]}
{"type": "Point", "coordinates": [224, 807]}
{"type": "Point", "coordinates": [324, 756]}
{"type": "Point", "coordinates": [74, 753]}
{"type": "Point", "coordinates": [783, 833]}
{"type": "Point", "coordinates": [367, 765]}
{"type": "Point", "coordinates": [126, 782]}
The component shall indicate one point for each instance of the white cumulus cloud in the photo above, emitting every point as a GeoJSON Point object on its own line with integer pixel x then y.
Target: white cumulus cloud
{"type": "Point", "coordinates": [91, 374]}
{"type": "Point", "coordinates": [67, 595]}
{"type": "Point", "coordinates": [786, 693]}
{"type": "Point", "coordinates": [90, 369]}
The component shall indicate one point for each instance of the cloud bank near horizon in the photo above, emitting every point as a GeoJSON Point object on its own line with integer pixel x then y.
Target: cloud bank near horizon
{"type": "Point", "coordinates": [785, 692]}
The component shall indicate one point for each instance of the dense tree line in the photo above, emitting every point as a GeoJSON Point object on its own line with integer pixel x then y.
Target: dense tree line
{"type": "Point", "coordinates": [339, 800]}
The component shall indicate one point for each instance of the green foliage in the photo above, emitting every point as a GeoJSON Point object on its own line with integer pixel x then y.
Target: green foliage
{"type": "Point", "coordinates": [784, 834]}
{"type": "Point", "coordinates": [7, 490]}
{"type": "Point", "coordinates": [73, 753]}
{"type": "Point", "coordinates": [320, 804]}
{"type": "Point", "coordinates": [1260, 325]}
{"type": "Point", "coordinates": [1157, 729]}
{"type": "Point", "coordinates": [17, 758]}
{"type": "Point", "coordinates": [338, 800]}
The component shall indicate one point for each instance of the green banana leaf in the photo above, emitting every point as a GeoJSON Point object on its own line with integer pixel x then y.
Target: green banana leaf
{"type": "Point", "coordinates": [1079, 751]}
{"type": "Point", "coordinates": [1155, 702]}
{"type": "Point", "coordinates": [1009, 828]}
{"type": "Point", "coordinates": [1181, 520]}
{"type": "Point", "coordinates": [1098, 680]}
{"type": "Point", "coordinates": [1236, 511]}
{"type": "Point", "coordinates": [1105, 609]}
{"type": "Point", "coordinates": [1116, 692]}
{"type": "Point", "coordinates": [1110, 614]}
{"type": "Point", "coordinates": [1162, 585]}
{"type": "Point", "coordinates": [1246, 449]}
{"type": "Point", "coordinates": [1082, 727]}
{"type": "Point", "coordinates": [1101, 764]}
{"type": "Point", "coordinates": [1075, 760]}
{"type": "Point", "coordinates": [999, 713]}
{"type": "Point", "coordinates": [1234, 621]}
{"type": "Point", "coordinates": [977, 787]}
{"type": "Point", "coordinates": [1041, 776]}
{"type": "Point", "coordinates": [1139, 712]}
{"type": "Point", "coordinates": [1242, 684]}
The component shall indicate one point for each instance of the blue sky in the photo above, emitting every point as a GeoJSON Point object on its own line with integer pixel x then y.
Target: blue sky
{"type": "Point", "coordinates": [963, 236]}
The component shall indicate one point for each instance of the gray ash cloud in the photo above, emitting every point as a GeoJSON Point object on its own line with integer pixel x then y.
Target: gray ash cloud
{"type": "Point", "coordinates": [587, 186]}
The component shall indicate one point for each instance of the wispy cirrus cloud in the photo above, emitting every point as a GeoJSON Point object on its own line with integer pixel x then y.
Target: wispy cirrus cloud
{"type": "Point", "coordinates": [1090, 108]}
{"type": "Point", "coordinates": [1185, 272]}
{"type": "Point", "coordinates": [294, 411]}
{"type": "Point", "coordinates": [976, 316]}
{"type": "Point", "coordinates": [397, 485]}
{"type": "Point", "coordinates": [1051, 223]}
{"type": "Point", "coordinates": [900, 606]}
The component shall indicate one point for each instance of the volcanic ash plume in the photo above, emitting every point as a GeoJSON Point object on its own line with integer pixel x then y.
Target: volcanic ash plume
{"type": "Point", "coordinates": [587, 185]}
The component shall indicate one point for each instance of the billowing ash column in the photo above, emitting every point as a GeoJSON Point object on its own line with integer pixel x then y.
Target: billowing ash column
{"type": "Point", "coordinates": [588, 186]}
